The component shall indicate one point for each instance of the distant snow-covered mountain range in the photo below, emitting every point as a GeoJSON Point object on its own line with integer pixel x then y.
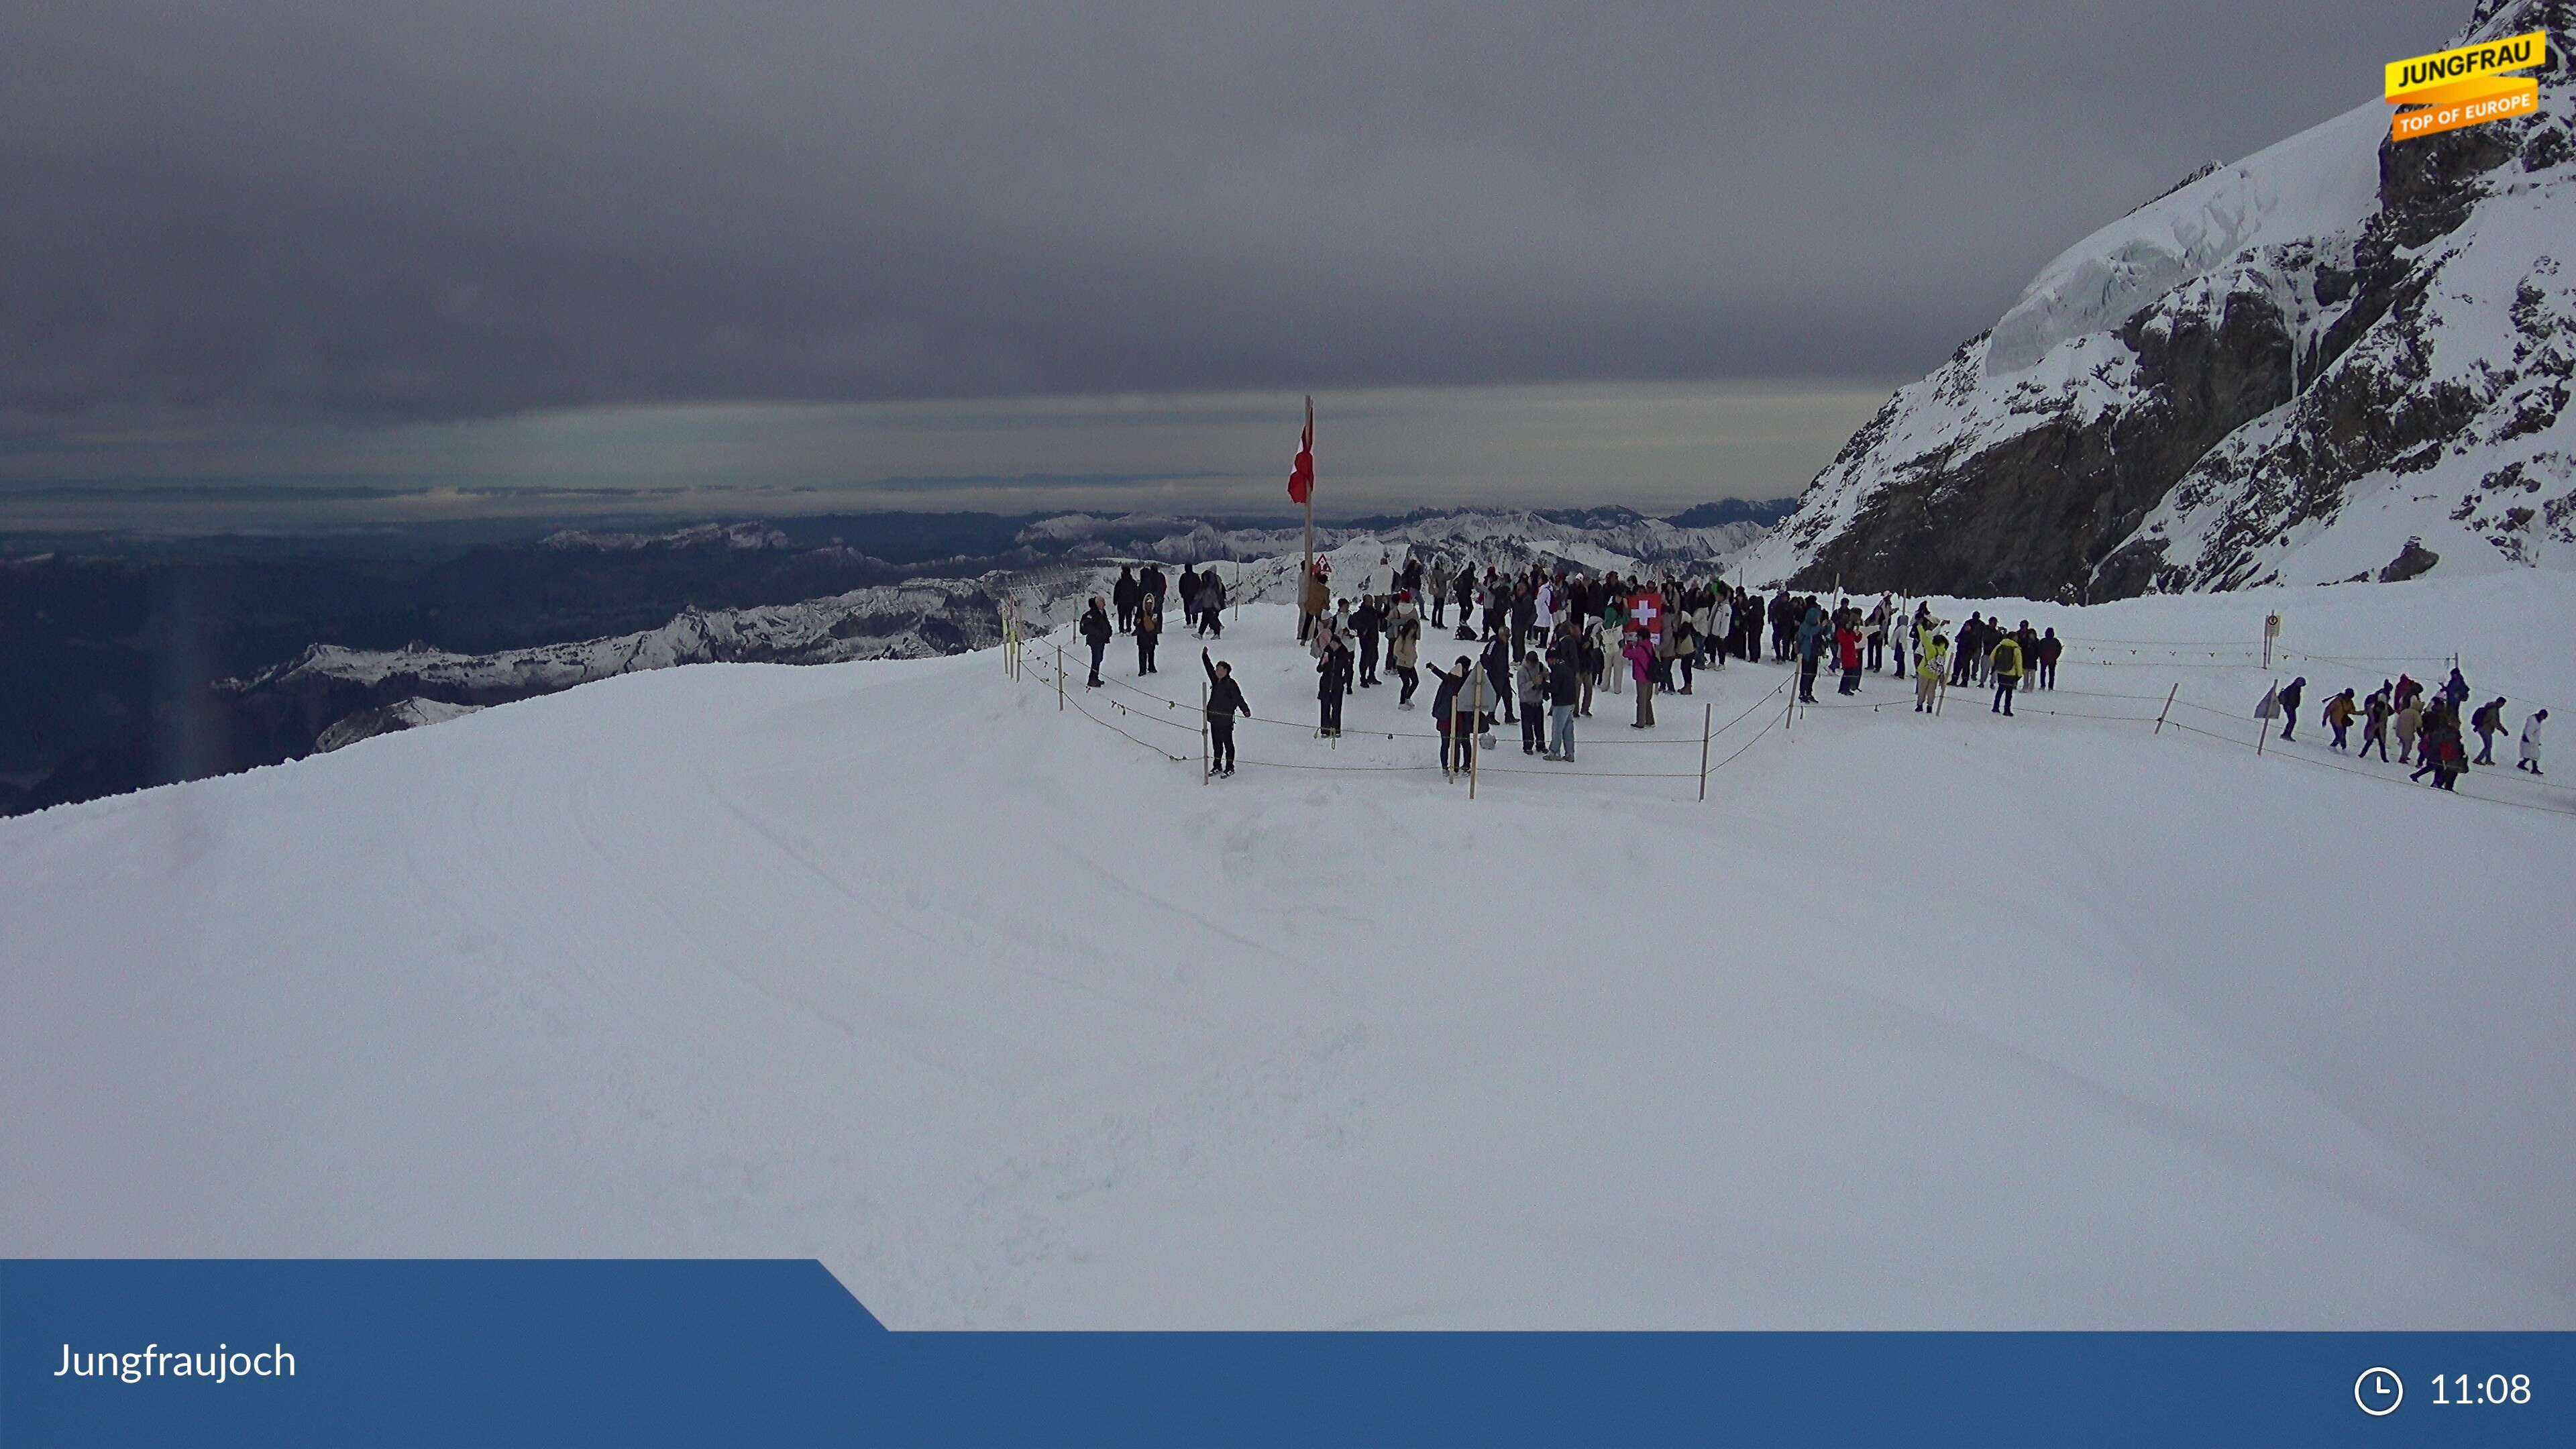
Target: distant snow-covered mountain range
{"type": "Point", "coordinates": [2343, 357]}
{"type": "Point", "coordinates": [328, 696]}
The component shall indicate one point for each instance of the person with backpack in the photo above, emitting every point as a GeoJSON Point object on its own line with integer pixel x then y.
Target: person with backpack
{"type": "Point", "coordinates": [2440, 746]}
{"type": "Point", "coordinates": [1096, 633]}
{"type": "Point", "coordinates": [2338, 715]}
{"type": "Point", "coordinates": [1454, 711]}
{"type": "Point", "coordinates": [2289, 697]}
{"type": "Point", "coordinates": [1529, 678]}
{"type": "Point", "coordinates": [2489, 723]}
{"type": "Point", "coordinates": [1211, 605]}
{"type": "Point", "coordinates": [2005, 662]}
{"type": "Point", "coordinates": [2531, 742]}
{"type": "Point", "coordinates": [1224, 702]}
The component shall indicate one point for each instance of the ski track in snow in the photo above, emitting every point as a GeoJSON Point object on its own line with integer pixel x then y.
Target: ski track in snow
{"type": "Point", "coordinates": [1915, 1023]}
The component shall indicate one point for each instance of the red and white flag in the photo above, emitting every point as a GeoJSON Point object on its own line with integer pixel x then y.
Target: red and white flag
{"type": "Point", "coordinates": [1301, 478]}
{"type": "Point", "coordinates": [1643, 610]}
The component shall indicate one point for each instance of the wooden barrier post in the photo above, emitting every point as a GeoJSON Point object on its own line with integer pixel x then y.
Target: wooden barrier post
{"type": "Point", "coordinates": [1207, 762]}
{"type": "Point", "coordinates": [1059, 674]}
{"type": "Point", "coordinates": [2168, 709]}
{"type": "Point", "coordinates": [1707, 712]}
{"type": "Point", "coordinates": [2263, 726]}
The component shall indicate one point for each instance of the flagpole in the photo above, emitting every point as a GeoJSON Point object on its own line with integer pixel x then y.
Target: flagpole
{"type": "Point", "coordinates": [1303, 579]}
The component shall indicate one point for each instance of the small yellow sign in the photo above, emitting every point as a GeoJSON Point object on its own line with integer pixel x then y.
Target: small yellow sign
{"type": "Point", "coordinates": [2465, 87]}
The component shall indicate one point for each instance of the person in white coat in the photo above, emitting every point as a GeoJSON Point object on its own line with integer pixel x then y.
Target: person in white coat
{"type": "Point", "coordinates": [2531, 742]}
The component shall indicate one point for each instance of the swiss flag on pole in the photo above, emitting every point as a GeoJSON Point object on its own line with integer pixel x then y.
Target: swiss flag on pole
{"type": "Point", "coordinates": [1301, 478]}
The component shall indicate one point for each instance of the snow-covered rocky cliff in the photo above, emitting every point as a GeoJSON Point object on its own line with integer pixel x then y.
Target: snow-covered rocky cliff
{"type": "Point", "coordinates": [2343, 357]}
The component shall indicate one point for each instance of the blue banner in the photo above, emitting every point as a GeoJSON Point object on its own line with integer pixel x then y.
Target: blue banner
{"type": "Point", "coordinates": [765, 1352]}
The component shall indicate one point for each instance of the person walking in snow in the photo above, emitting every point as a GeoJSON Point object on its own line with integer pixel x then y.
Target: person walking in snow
{"type": "Point", "coordinates": [2410, 724]}
{"type": "Point", "coordinates": [2338, 715]}
{"type": "Point", "coordinates": [2489, 723]}
{"type": "Point", "coordinates": [2531, 742]}
{"type": "Point", "coordinates": [2289, 699]}
{"type": "Point", "coordinates": [2456, 692]}
{"type": "Point", "coordinates": [1224, 702]}
{"type": "Point", "coordinates": [1096, 632]}
{"type": "Point", "coordinates": [1529, 680]}
{"type": "Point", "coordinates": [1454, 711]}
{"type": "Point", "coordinates": [1149, 631]}
{"type": "Point", "coordinates": [1124, 594]}
{"type": "Point", "coordinates": [2005, 662]}
{"type": "Point", "coordinates": [2050, 646]}
{"type": "Point", "coordinates": [1188, 585]}
{"type": "Point", "coordinates": [2374, 723]}
{"type": "Point", "coordinates": [1931, 662]}
{"type": "Point", "coordinates": [1211, 605]}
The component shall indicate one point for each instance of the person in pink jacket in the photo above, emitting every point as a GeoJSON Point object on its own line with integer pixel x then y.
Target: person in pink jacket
{"type": "Point", "coordinates": [1640, 650]}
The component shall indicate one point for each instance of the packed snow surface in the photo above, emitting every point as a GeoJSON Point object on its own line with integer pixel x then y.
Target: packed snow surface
{"type": "Point", "coordinates": [1012, 1020]}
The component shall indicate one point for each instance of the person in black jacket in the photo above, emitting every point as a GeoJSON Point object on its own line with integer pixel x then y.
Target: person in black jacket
{"type": "Point", "coordinates": [2290, 696]}
{"type": "Point", "coordinates": [1564, 691]}
{"type": "Point", "coordinates": [1096, 633]}
{"type": "Point", "coordinates": [1124, 594]}
{"type": "Point", "coordinates": [1368, 622]}
{"type": "Point", "coordinates": [1334, 681]}
{"type": "Point", "coordinates": [1224, 702]}
{"type": "Point", "coordinates": [1454, 710]}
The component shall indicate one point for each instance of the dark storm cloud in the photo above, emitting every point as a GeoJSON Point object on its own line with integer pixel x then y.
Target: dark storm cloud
{"type": "Point", "coordinates": [446, 208]}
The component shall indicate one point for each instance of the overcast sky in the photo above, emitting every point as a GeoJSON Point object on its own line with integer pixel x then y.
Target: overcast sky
{"type": "Point", "coordinates": [244, 240]}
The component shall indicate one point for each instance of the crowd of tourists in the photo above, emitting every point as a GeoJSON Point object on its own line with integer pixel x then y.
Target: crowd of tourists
{"type": "Point", "coordinates": [1552, 641]}
{"type": "Point", "coordinates": [2427, 725]}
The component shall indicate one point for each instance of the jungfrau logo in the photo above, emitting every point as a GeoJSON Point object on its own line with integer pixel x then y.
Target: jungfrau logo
{"type": "Point", "coordinates": [2465, 87]}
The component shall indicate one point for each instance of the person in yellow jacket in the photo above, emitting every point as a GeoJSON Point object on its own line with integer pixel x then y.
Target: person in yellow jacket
{"type": "Point", "coordinates": [2006, 662]}
{"type": "Point", "coordinates": [1931, 666]}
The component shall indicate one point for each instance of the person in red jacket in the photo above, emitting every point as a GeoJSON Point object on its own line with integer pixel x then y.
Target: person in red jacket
{"type": "Point", "coordinates": [1847, 654]}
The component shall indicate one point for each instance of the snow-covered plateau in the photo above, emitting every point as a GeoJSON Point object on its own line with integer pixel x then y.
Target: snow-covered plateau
{"type": "Point", "coordinates": [998, 1008]}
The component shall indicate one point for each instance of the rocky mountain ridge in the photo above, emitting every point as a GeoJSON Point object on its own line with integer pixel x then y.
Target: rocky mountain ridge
{"type": "Point", "coordinates": [2344, 357]}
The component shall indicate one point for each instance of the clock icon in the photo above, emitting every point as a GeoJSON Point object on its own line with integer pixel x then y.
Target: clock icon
{"type": "Point", "coordinates": [2378, 1392]}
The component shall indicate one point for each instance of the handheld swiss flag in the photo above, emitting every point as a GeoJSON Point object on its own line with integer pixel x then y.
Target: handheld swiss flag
{"type": "Point", "coordinates": [1301, 478]}
{"type": "Point", "coordinates": [1643, 611]}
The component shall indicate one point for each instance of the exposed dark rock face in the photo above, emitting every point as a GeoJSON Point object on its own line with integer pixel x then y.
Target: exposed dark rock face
{"type": "Point", "coordinates": [2413, 561]}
